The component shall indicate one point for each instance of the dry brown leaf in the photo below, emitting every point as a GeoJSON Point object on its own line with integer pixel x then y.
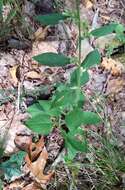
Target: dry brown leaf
{"type": "Point", "coordinates": [9, 127]}
{"type": "Point", "coordinates": [37, 167]}
{"type": "Point", "coordinates": [33, 186]}
{"type": "Point", "coordinates": [88, 4]}
{"type": "Point", "coordinates": [115, 86]}
{"type": "Point", "coordinates": [13, 73]}
{"type": "Point", "coordinates": [36, 149]}
{"type": "Point", "coordinates": [115, 67]}
{"type": "Point", "coordinates": [40, 34]}
{"type": "Point", "coordinates": [33, 75]}
{"type": "Point", "coordinates": [22, 184]}
{"type": "Point", "coordinates": [23, 142]}
{"type": "Point", "coordinates": [107, 18]}
{"type": "Point", "coordinates": [16, 184]}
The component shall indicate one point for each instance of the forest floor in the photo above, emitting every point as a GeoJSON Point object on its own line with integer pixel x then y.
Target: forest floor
{"type": "Point", "coordinates": [23, 81]}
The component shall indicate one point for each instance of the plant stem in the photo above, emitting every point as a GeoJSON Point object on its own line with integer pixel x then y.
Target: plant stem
{"type": "Point", "coordinates": [79, 28]}
{"type": "Point", "coordinates": [79, 46]}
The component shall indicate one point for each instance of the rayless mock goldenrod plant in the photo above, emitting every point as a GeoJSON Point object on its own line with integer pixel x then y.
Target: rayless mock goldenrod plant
{"type": "Point", "coordinates": [65, 108]}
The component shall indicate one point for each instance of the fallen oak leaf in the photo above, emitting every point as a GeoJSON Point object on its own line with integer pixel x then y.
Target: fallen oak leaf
{"type": "Point", "coordinates": [37, 168]}
{"type": "Point", "coordinates": [36, 149]}
{"type": "Point", "coordinates": [24, 143]}
{"type": "Point", "coordinates": [33, 186]}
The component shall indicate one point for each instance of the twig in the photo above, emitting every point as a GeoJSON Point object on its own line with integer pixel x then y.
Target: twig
{"type": "Point", "coordinates": [20, 81]}
{"type": "Point", "coordinates": [122, 3]}
{"type": "Point", "coordinates": [18, 96]}
{"type": "Point", "coordinates": [93, 186]}
{"type": "Point", "coordinates": [72, 185]}
{"type": "Point", "coordinates": [95, 19]}
{"type": "Point", "coordinates": [58, 159]}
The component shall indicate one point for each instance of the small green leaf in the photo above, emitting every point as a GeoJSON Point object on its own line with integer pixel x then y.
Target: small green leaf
{"type": "Point", "coordinates": [34, 109]}
{"type": "Point", "coordinates": [67, 97]}
{"type": "Point", "coordinates": [92, 59]}
{"type": "Point", "coordinates": [54, 112]}
{"type": "Point", "coordinates": [12, 167]}
{"type": "Point", "coordinates": [119, 28]}
{"type": "Point", "coordinates": [45, 104]}
{"type": "Point", "coordinates": [77, 117]}
{"type": "Point", "coordinates": [52, 59]}
{"type": "Point", "coordinates": [40, 123]}
{"type": "Point", "coordinates": [120, 33]}
{"type": "Point", "coordinates": [84, 77]}
{"type": "Point", "coordinates": [51, 19]}
{"type": "Point", "coordinates": [90, 118]}
{"type": "Point", "coordinates": [73, 145]}
{"type": "Point", "coordinates": [104, 30]}
{"type": "Point", "coordinates": [74, 119]}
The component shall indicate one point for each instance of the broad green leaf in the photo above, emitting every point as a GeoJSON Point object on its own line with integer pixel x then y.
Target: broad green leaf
{"type": "Point", "coordinates": [104, 30]}
{"type": "Point", "coordinates": [34, 109]}
{"type": "Point", "coordinates": [73, 145]}
{"type": "Point", "coordinates": [92, 59]}
{"type": "Point", "coordinates": [119, 28]}
{"type": "Point", "coordinates": [67, 97]}
{"type": "Point", "coordinates": [12, 167]}
{"type": "Point", "coordinates": [43, 107]}
{"type": "Point", "coordinates": [45, 104]}
{"type": "Point", "coordinates": [120, 33]}
{"type": "Point", "coordinates": [84, 77]}
{"type": "Point", "coordinates": [40, 123]}
{"type": "Point", "coordinates": [74, 119]}
{"type": "Point", "coordinates": [90, 118]}
{"type": "Point", "coordinates": [77, 117]}
{"type": "Point", "coordinates": [51, 19]}
{"type": "Point", "coordinates": [52, 59]}
{"type": "Point", "coordinates": [54, 112]}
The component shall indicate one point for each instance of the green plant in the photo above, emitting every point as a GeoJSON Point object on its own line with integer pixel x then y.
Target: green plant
{"type": "Point", "coordinates": [12, 20]}
{"type": "Point", "coordinates": [5, 21]}
{"type": "Point", "coordinates": [65, 108]}
{"type": "Point", "coordinates": [109, 162]}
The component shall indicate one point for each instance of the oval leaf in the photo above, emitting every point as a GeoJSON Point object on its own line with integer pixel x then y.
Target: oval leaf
{"type": "Point", "coordinates": [77, 117]}
{"type": "Point", "coordinates": [51, 19]}
{"type": "Point", "coordinates": [40, 124]}
{"type": "Point", "coordinates": [73, 145]}
{"type": "Point", "coordinates": [84, 77]}
{"type": "Point", "coordinates": [92, 59]}
{"type": "Point", "coordinates": [104, 30]}
{"type": "Point", "coordinates": [34, 109]}
{"type": "Point", "coordinates": [52, 59]}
